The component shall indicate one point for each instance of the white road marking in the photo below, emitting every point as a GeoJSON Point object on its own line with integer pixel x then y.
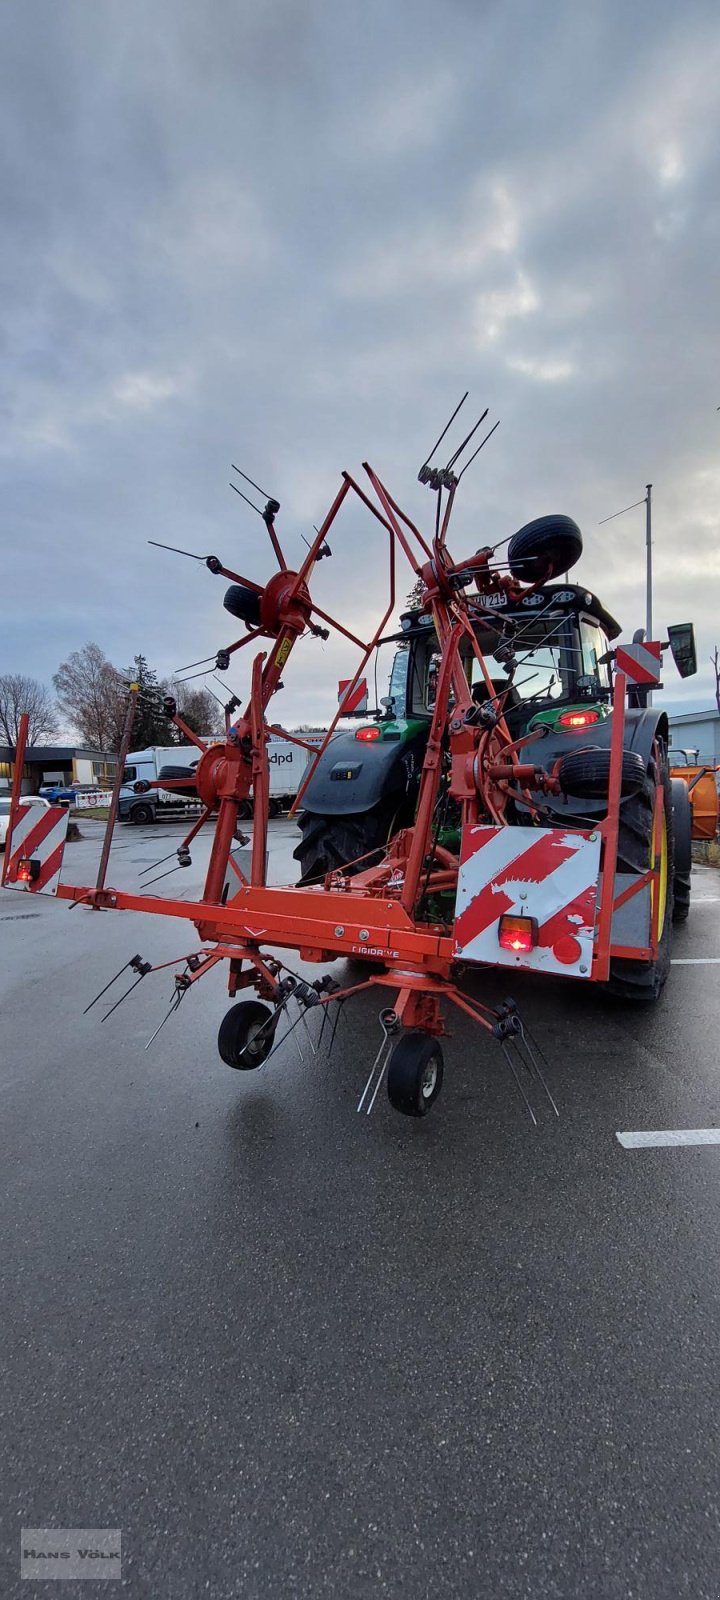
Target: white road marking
{"type": "Point", "coordinates": [669, 1136]}
{"type": "Point", "coordinates": [695, 961]}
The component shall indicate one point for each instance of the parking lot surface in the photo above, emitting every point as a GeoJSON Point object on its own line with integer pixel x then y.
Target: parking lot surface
{"type": "Point", "coordinates": [289, 1350]}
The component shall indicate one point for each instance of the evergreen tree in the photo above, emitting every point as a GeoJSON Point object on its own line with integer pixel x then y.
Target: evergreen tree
{"type": "Point", "coordinates": [151, 726]}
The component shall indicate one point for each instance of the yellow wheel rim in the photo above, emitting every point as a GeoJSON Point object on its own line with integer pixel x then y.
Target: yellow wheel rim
{"type": "Point", "coordinates": [659, 885]}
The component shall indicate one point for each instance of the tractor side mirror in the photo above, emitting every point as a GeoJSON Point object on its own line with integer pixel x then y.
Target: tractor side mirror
{"type": "Point", "coordinates": [682, 645]}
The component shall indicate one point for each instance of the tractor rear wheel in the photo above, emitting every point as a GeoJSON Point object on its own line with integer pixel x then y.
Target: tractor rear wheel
{"type": "Point", "coordinates": [329, 843]}
{"type": "Point", "coordinates": [682, 826]}
{"type": "Point", "coordinates": [643, 980]}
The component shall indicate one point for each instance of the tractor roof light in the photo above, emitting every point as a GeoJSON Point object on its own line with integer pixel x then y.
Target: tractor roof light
{"type": "Point", "coordinates": [578, 719]}
{"type": "Point", "coordinates": [369, 735]}
{"type": "Point", "coordinates": [518, 934]}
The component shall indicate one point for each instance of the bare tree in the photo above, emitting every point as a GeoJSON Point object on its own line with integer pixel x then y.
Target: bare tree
{"type": "Point", "coordinates": [18, 694]}
{"type": "Point", "coordinates": [715, 660]}
{"type": "Point", "coordinates": [197, 707]}
{"type": "Point", "coordinates": [92, 694]}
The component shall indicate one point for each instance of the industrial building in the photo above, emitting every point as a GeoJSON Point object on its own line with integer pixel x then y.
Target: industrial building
{"type": "Point", "coordinates": [697, 730]}
{"type": "Point", "coordinates": [48, 763]}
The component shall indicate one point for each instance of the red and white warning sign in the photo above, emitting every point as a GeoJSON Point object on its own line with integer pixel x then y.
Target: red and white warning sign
{"type": "Point", "coordinates": [34, 849]}
{"type": "Point", "coordinates": [642, 663]}
{"type": "Point", "coordinates": [357, 701]}
{"type": "Point", "coordinates": [545, 881]}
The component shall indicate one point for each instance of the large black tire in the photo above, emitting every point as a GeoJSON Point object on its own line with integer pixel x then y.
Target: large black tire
{"type": "Point", "coordinates": [176, 772]}
{"type": "Point", "coordinates": [329, 843]}
{"type": "Point", "coordinates": [141, 814]}
{"type": "Point", "coordinates": [415, 1074]}
{"type": "Point", "coordinates": [586, 773]}
{"type": "Point", "coordinates": [243, 603]}
{"type": "Point", "coordinates": [682, 828]}
{"type": "Point", "coordinates": [644, 980]}
{"type": "Point", "coordinates": [544, 549]}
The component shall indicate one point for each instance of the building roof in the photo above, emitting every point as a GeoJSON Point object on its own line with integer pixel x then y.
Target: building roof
{"type": "Point", "coordinates": [694, 716]}
{"type": "Point", "coordinates": [56, 752]}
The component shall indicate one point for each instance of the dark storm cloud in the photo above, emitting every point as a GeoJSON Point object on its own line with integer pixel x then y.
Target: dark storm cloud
{"type": "Point", "coordinates": [291, 236]}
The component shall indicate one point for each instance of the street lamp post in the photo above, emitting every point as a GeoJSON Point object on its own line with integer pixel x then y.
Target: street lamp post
{"type": "Point", "coordinates": [648, 551]}
{"type": "Point", "coordinates": [647, 503]}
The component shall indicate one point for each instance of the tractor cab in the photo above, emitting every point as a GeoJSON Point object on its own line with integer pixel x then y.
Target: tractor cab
{"type": "Point", "coordinates": [548, 656]}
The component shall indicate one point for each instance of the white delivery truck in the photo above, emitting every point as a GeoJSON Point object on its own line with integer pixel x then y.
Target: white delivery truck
{"type": "Point", "coordinates": [138, 804]}
{"type": "Point", "coordinates": [287, 763]}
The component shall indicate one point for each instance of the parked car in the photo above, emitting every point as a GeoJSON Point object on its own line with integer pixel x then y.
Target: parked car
{"type": "Point", "coordinates": [65, 794]}
{"type": "Point", "coordinates": [27, 799]}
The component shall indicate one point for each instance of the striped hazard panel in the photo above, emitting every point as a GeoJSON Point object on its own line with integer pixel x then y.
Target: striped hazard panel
{"type": "Point", "coordinates": [642, 663]}
{"type": "Point", "coordinates": [38, 835]}
{"type": "Point", "coordinates": [546, 874]}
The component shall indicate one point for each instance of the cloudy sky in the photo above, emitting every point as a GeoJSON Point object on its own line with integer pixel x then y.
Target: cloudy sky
{"type": "Point", "coordinates": [290, 235]}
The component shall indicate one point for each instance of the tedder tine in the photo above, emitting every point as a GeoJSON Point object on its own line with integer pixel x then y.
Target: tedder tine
{"type": "Point", "coordinates": [109, 985]}
{"type": "Point", "coordinates": [389, 1025]}
{"type": "Point", "coordinates": [521, 1091]}
{"type": "Point", "coordinates": [531, 1047]}
{"type": "Point", "coordinates": [123, 997]}
{"type": "Point", "coordinates": [174, 1006]}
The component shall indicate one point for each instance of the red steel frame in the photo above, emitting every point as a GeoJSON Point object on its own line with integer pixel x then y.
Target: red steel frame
{"type": "Point", "coordinates": [16, 792]}
{"type": "Point", "coordinates": [371, 914]}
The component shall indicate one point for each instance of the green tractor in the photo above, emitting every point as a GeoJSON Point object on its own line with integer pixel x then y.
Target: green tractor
{"type": "Point", "coordinates": [551, 658]}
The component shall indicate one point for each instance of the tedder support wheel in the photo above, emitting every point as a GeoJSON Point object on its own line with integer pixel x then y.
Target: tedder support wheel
{"type": "Point", "coordinates": [415, 1074]}
{"type": "Point", "coordinates": [246, 1035]}
{"type": "Point", "coordinates": [544, 549]}
{"type": "Point", "coordinates": [643, 980]}
{"type": "Point", "coordinates": [329, 843]}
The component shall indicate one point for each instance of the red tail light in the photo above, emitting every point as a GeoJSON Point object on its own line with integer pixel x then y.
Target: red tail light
{"type": "Point", "coordinates": [578, 719]}
{"type": "Point", "coordinates": [518, 934]}
{"type": "Point", "coordinates": [368, 735]}
{"type": "Point", "coordinates": [28, 870]}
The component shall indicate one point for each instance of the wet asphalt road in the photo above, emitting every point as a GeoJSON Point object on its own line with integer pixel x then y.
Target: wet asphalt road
{"type": "Point", "coordinates": [293, 1351]}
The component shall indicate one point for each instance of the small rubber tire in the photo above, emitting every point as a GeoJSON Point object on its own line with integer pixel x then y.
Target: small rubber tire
{"type": "Point", "coordinates": [586, 773]}
{"type": "Point", "coordinates": [243, 603]}
{"type": "Point", "coordinates": [176, 772]}
{"type": "Point", "coordinates": [237, 1035]}
{"type": "Point", "coordinates": [544, 549]}
{"type": "Point", "coordinates": [415, 1074]}
{"type": "Point", "coordinates": [142, 814]}
{"type": "Point", "coordinates": [682, 827]}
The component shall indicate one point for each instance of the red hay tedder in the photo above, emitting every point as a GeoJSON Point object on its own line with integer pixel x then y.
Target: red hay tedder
{"type": "Point", "coordinates": [471, 824]}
